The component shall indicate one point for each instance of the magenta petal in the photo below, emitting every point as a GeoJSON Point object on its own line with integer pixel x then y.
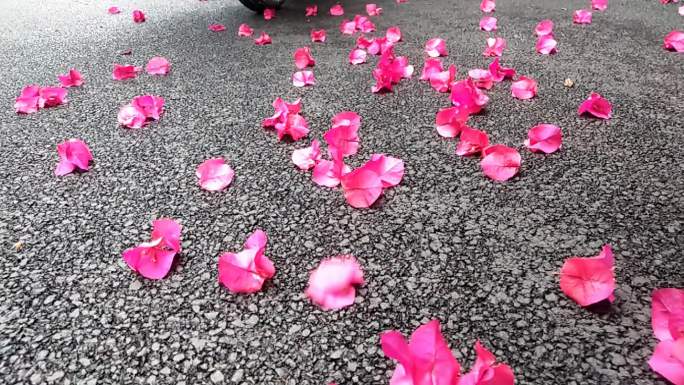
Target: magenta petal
{"type": "Point", "coordinates": [393, 34]}
{"type": "Point", "coordinates": [246, 271]}
{"type": "Point", "coordinates": [487, 6]}
{"type": "Point", "coordinates": [303, 58]}
{"type": "Point", "coordinates": [169, 231]}
{"type": "Point", "coordinates": [668, 360]}
{"type": "Point", "coordinates": [597, 106]}
{"type": "Point", "coordinates": [51, 96]}
{"type": "Point", "coordinates": [436, 47]}
{"type": "Point", "coordinates": [27, 102]}
{"type": "Point", "coordinates": [467, 97]}
{"type": "Point", "coordinates": [472, 141]}
{"type": "Point", "coordinates": [450, 121]}
{"type": "Point", "coordinates": [431, 356]}
{"type": "Point", "coordinates": [328, 173]}
{"type": "Point", "coordinates": [269, 13]}
{"type": "Point", "coordinates": [72, 79]}
{"type": "Point", "coordinates": [357, 56]}
{"type": "Point", "coordinates": [122, 72]}
{"type": "Point", "coordinates": [263, 39]}
{"type": "Point", "coordinates": [373, 10]}
{"type": "Point", "coordinates": [245, 30]}
{"type": "Point", "coordinates": [332, 284]}
{"type": "Point", "coordinates": [113, 10]}
{"type": "Point", "coordinates": [336, 10]}
{"type": "Point", "coordinates": [311, 10]}
{"type": "Point", "coordinates": [389, 169]}
{"type": "Point", "coordinates": [158, 66]}
{"type": "Point", "coordinates": [545, 27]}
{"type": "Point", "coordinates": [481, 78]}
{"type": "Point", "coordinates": [149, 261]}
{"type": "Point", "coordinates": [73, 153]}
{"type": "Point", "coordinates": [318, 35]}
{"type": "Point", "coordinates": [488, 23]}
{"type": "Point", "coordinates": [589, 280]}
{"type": "Point", "coordinates": [138, 16]}
{"type": "Point", "coordinates": [674, 41]}
{"type": "Point", "coordinates": [524, 88]}
{"type": "Point", "coordinates": [500, 73]}
{"type": "Point", "coordinates": [495, 46]}
{"type": "Point", "coordinates": [308, 157]}
{"type": "Point", "coordinates": [294, 126]}
{"type": "Point", "coordinates": [545, 138]}
{"type": "Point", "coordinates": [500, 162]}
{"type": "Point", "coordinates": [362, 187]}
{"type": "Point", "coordinates": [303, 78]}
{"type": "Point", "coordinates": [581, 16]}
{"type": "Point", "coordinates": [546, 44]}
{"type": "Point", "coordinates": [599, 5]}
{"type": "Point", "coordinates": [214, 174]}
{"type": "Point", "coordinates": [217, 27]}
{"type": "Point", "coordinates": [431, 67]}
{"type": "Point", "coordinates": [667, 306]}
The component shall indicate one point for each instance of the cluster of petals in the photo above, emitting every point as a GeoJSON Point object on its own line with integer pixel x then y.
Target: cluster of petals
{"type": "Point", "coordinates": [667, 320]}
{"type": "Point", "coordinates": [71, 79]}
{"type": "Point", "coordinates": [336, 10]}
{"type": "Point", "coordinates": [245, 30]}
{"type": "Point", "coordinates": [495, 46]}
{"type": "Point", "coordinates": [263, 39]}
{"type": "Point", "coordinates": [545, 138]}
{"type": "Point", "coordinates": [488, 23]}
{"type": "Point", "coordinates": [318, 35]}
{"type": "Point", "coordinates": [599, 5]}
{"type": "Point", "coordinates": [214, 174]}
{"type": "Point", "coordinates": [373, 10]}
{"type": "Point", "coordinates": [674, 41]}
{"type": "Point", "coordinates": [488, 6]}
{"type": "Point", "coordinates": [589, 280]}
{"type": "Point", "coordinates": [441, 81]}
{"type": "Point", "coordinates": [287, 120]}
{"type": "Point", "coordinates": [154, 259]}
{"type": "Point", "coordinates": [332, 285]}
{"type": "Point", "coordinates": [125, 71]}
{"type": "Point", "coordinates": [74, 154]}
{"type": "Point", "coordinates": [138, 16]}
{"type": "Point", "coordinates": [436, 47]}
{"type": "Point", "coordinates": [597, 106]}
{"type": "Point", "coordinates": [390, 70]}
{"type": "Point", "coordinates": [581, 16]}
{"type": "Point", "coordinates": [247, 270]}
{"type": "Point", "coordinates": [269, 13]}
{"type": "Point", "coordinates": [34, 97]}
{"type": "Point", "coordinates": [311, 10]}
{"type": "Point", "coordinates": [467, 97]}
{"type": "Point", "coordinates": [217, 27]}
{"type": "Point", "coordinates": [524, 88]}
{"type": "Point", "coordinates": [499, 162]}
{"type": "Point", "coordinates": [140, 111]}
{"type": "Point", "coordinates": [359, 24]}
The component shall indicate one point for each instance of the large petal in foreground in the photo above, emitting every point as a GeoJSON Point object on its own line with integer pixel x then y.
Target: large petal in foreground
{"type": "Point", "coordinates": [589, 280]}
{"type": "Point", "coordinates": [486, 371]}
{"type": "Point", "coordinates": [674, 41]}
{"type": "Point", "coordinates": [668, 360]}
{"type": "Point", "coordinates": [667, 310]}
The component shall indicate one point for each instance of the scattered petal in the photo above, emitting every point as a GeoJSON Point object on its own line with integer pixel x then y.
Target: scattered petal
{"type": "Point", "coordinates": [362, 187]}
{"type": "Point", "coordinates": [599, 5]}
{"type": "Point", "coordinates": [546, 44]}
{"type": "Point", "coordinates": [303, 78]}
{"type": "Point", "coordinates": [450, 121]}
{"type": "Point", "coordinates": [348, 27]}
{"type": "Point", "coordinates": [328, 173]}
{"type": "Point", "coordinates": [393, 34]}
{"type": "Point", "coordinates": [500, 73]}
{"type": "Point", "coordinates": [442, 81]}
{"type": "Point", "coordinates": [151, 106]}
{"type": "Point", "coordinates": [72, 79]}
{"type": "Point", "coordinates": [495, 46]}
{"type": "Point", "coordinates": [269, 13]}
{"type": "Point", "coordinates": [343, 137]}
{"type": "Point", "coordinates": [581, 16]}
{"type": "Point", "coordinates": [217, 27]}
{"type": "Point", "coordinates": [373, 10]}
{"type": "Point", "coordinates": [544, 138]}
{"type": "Point", "coordinates": [481, 78]}
{"type": "Point", "coordinates": [158, 66]}
{"type": "Point", "coordinates": [318, 35]}
{"type": "Point", "coordinates": [389, 169]}
{"type": "Point", "coordinates": [667, 307]}
{"type": "Point", "coordinates": [545, 27]}
{"type": "Point", "coordinates": [263, 39]}
{"type": "Point", "coordinates": [113, 10]}
{"type": "Point", "coordinates": [488, 23]}
{"type": "Point", "coordinates": [131, 117]}
{"type": "Point", "coordinates": [589, 280]}
{"type": "Point", "coordinates": [467, 97]}
{"type": "Point", "coordinates": [27, 102]}
{"type": "Point", "coordinates": [363, 24]}
{"type": "Point", "coordinates": [486, 371]}
{"type": "Point", "coordinates": [472, 141]}
{"type": "Point", "coordinates": [674, 41]}
{"type": "Point", "coordinates": [332, 283]}
{"type": "Point", "coordinates": [138, 16]}
{"type": "Point", "coordinates": [246, 271]}
{"type": "Point", "coordinates": [436, 47]}
{"type": "Point", "coordinates": [282, 109]}
{"type": "Point", "coordinates": [294, 125]}
{"type": "Point", "coordinates": [431, 67]}
{"type": "Point", "coordinates": [214, 174]}
{"type": "Point", "coordinates": [73, 154]}
{"type": "Point", "coordinates": [245, 30]}
{"type": "Point", "coordinates": [51, 96]}
{"type": "Point", "coordinates": [668, 360]}
{"type": "Point", "coordinates": [307, 157]}
{"type": "Point", "coordinates": [524, 88]}
{"type": "Point", "coordinates": [311, 10]}
{"type": "Point", "coordinates": [357, 56]}
{"type": "Point", "coordinates": [487, 6]}
{"type": "Point", "coordinates": [153, 259]}
{"type": "Point", "coordinates": [500, 162]}
{"type": "Point", "coordinates": [597, 106]}
{"type": "Point", "coordinates": [122, 72]}
{"type": "Point", "coordinates": [303, 58]}
{"type": "Point", "coordinates": [336, 10]}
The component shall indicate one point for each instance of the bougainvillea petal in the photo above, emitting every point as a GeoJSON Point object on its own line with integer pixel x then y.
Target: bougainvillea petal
{"type": "Point", "coordinates": [500, 162]}
{"type": "Point", "coordinates": [294, 126]}
{"type": "Point", "coordinates": [245, 30]}
{"type": "Point", "coordinates": [545, 27]}
{"type": "Point", "coordinates": [524, 88]}
{"type": "Point", "coordinates": [450, 121]}
{"type": "Point", "coordinates": [467, 97]}
{"type": "Point", "coordinates": [73, 154]}
{"type": "Point", "coordinates": [495, 46]}
{"type": "Point", "coordinates": [389, 169]}
{"type": "Point", "coordinates": [247, 270]}
{"type": "Point", "coordinates": [303, 58]}
{"type": "Point", "coordinates": [138, 16]}
{"type": "Point", "coordinates": [544, 138]}
{"type": "Point", "coordinates": [589, 280]}
{"type": "Point", "coordinates": [597, 106]}
{"type": "Point", "coordinates": [393, 34]}
{"type": "Point", "coordinates": [667, 306]}
{"type": "Point", "coordinates": [154, 259]}
{"type": "Point", "coordinates": [27, 101]}
{"type": "Point", "coordinates": [307, 157]}
{"type": "Point", "coordinates": [441, 81]}
{"type": "Point", "coordinates": [214, 174]}
{"type": "Point", "coordinates": [332, 284]}
{"type": "Point", "coordinates": [487, 6]}
{"type": "Point", "coordinates": [481, 78]}
{"type": "Point", "coordinates": [436, 47]}
{"type": "Point", "coordinates": [599, 5]}
{"type": "Point", "coordinates": [546, 44]}
{"type": "Point", "coordinates": [72, 79]}
{"type": "Point", "coordinates": [668, 361]}
{"type": "Point", "coordinates": [158, 66]}
{"type": "Point", "coordinates": [431, 67]}
{"type": "Point", "coordinates": [373, 10]}
{"type": "Point", "coordinates": [311, 10]}
{"type": "Point", "coordinates": [263, 39]}
{"type": "Point", "coordinates": [362, 187]}
{"type": "Point", "coordinates": [357, 56]}
{"type": "Point", "coordinates": [318, 35]}
{"type": "Point", "coordinates": [581, 16]}
{"type": "Point", "coordinates": [328, 173]}
{"type": "Point", "coordinates": [113, 10]}
{"type": "Point", "coordinates": [472, 141]}
{"type": "Point", "coordinates": [336, 10]}
{"type": "Point", "coordinates": [269, 13]}
{"type": "Point", "coordinates": [674, 41]}
{"type": "Point", "coordinates": [500, 73]}
{"type": "Point", "coordinates": [303, 78]}
{"type": "Point", "coordinates": [51, 96]}
{"type": "Point", "coordinates": [217, 27]}
{"type": "Point", "coordinates": [486, 371]}
{"type": "Point", "coordinates": [488, 23]}
{"type": "Point", "coordinates": [122, 72]}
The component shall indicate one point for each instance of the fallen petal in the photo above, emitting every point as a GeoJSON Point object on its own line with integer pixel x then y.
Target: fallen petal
{"type": "Point", "coordinates": [217, 27]}
{"type": "Point", "coordinates": [214, 174]}
{"type": "Point", "coordinates": [332, 284]}
{"type": "Point", "coordinates": [73, 154]}
{"type": "Point", "coordinates": [72, 79]}
{"type": "Point", "coordinates": [245, 30]}
{"type": "Point", "coordinates": [544, 138]}
{"type": "Point", "coordinates": [500, 162]}
{"type": "Point", "coordinates": [158, 66]}
{"type": "Point", "coordinates": [589, 280]}
{"type": "Point", "coordinates": [472, 141]}
{"type": "Point", "coordinates": [488, 23]}
{"type": "Point", "coordinates": [581, 16]}
{"type": "Point", "coordinates": [307, 157]}
{"type": "Point", "coordinates": [318, 35]}
{"type": "Point", "coordinates": [303, 78]}
{"type": "Point", "coordinates": [597, 106]}
{"type": "Point", "coordinates": [357, 56]}
{"type": "Point", "coordinates": [122, 72]}
{"type": "Point", "coordinates": [524, 88]}
{"type": "Point", "coordinates": [436, 47]}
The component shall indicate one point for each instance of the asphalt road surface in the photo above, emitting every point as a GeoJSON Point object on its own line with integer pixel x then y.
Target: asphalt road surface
{"type": "Point", "coordinates": [447, 243]}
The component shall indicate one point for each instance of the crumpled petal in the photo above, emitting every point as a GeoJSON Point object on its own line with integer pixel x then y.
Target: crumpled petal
{"type": "Point", "coordinates": [152, 106]}
{"type": "Point", "coordinates": [332, 283]}
{"type": "Point", "coordinates": [674, 41]}
{"type": "Point", "coordinates": [245, 30]}
{"type": "Point", "coordinates": [668, 360]}
{"type": "Point", "coordinates": [158, 66]}
{"type": "Point", "coordinates": [138, 16]}
{"type": "Point", "coordinates": [436, 47]}
{"type": "Point", "coordinates": [327, 173]}
{"type": "Point", "coordinates": [481, 78]}
{"type": "Point", "coordinates": [318, 35]}
{"type": "Point", "coordinates": [487, 6]}
{"type": "Point", "coordinates": [51, 96]}
{"type": "Point", "coordinates": [597, 106]}
{"type": "Point", "coordinates": [303, 78]}
{"type": "Point", "coordinates": [524, 88]}
{"type": "Point", "coordinates": [154, 259]}
{"type": "Point", "coordinates": [500, 162]}
{"type": "Point", "coordinates": [488, 23]}
{"type": "Point", "coordinates": [441, 81]}
{"type": "Point", "coordinates": [336, 10]}
{"type": "Point", "coordinates": [450, 121]}
{"type": "Point", "coordinates": [667, 308]}
{"type": "Point", "coordinates": [73, 154]}
{"type": "Point", "coordinates": [303, 58]}
{"type": "Point", "coordinates": [113, 10]}
{"type": "Point", "coordinates": [486, 371]}
{"type": "Point", "coordinates": [599, 5]}
{"type": "Point", "coordinates": [373, 10]}
{"type": "Point", "coordinates": [546, 44]}
{"type": "Point", "coordinates": [389, 169]}
{"type": "Point", "coordinates": [589, 280]}
{"type": "Point", "coordinates": [467, 97]}
{"type": "Point", "coordinates": [500, 73]}
{"type": "Point", "coordinates": [131, 117]}
{"type": "Point", "coordinates": [311, 10]}
{"type": "Point", "coordinates": [307, 157]}
{"type": "Point", "coordinates": [364, 24]}
{"type": "Point", "coordinates": [217, 27]}
{"type": "Point", "coordinates": [348, 27]}
{"type": "Point", "coordinates": [431, 67]}
{"type": "Point", "coordinates": [343, 137]}
{"type": "Point", "coordinates": [269, 13]}
{"type": "Point", "coordinates": [122, 72]}
{"type": "Point", "coordinates": [282, 109]}
{"type": "Point", "coordinates": [246, 271]}
{"type": "Point", "coordinates": [544, 138]}
{"type": "Point", "coordinates": [393, 34]}
{"type": "Point", "coordinates": [495, 46]}
{"type": "Point", "coordinates": [72, 79]}
{"type": "Point", "coordinates": [545, 27]}
{"type": "Point", "coordinates": [27, 101]}
{"type": "Point", "coordinates": [472, 141]}
{"type": "Point", "coordinates": [263, 39]}
{"type": "Point", "coordinates": [294, 125]}
{"type": "Point", "coordinates": [581, 16]}
{"type": "Point", "coordinates": [357, 56]}
{"type": "Point", "coordinates": [214, 174]}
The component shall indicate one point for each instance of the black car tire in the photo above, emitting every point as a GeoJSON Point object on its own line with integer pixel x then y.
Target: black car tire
{"type": "Point", "coordinates": [260, 5]}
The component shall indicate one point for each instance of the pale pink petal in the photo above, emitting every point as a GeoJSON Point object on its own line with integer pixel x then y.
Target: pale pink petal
{"type": "Point", "coordinates": [373, 10]}
{"type": "Point", "coordinates": [500, 162]}
{"type": "Point", "coordinates": [472, 141]}
{"type": "Point", "coordinates": [336, 10]}
{"type": "Point", "coordinates": [495, 46]}
{"type": "Point", "coordinates": [599, 5]}
{"type": "Point", "coordinates": [122, 72]}
{"type": "Point", "coordinates": [138, 16]}
{"type": "Point", "coordinates": [389, 169]}
{"type": "Point", "coordinates": [393, 34]}
{"type": "Point", "coordinates": [318, 35]}
{"type": "Point", "coordinates": [269, 13]}
{"type": "Point", "coordinates": [27, 101]}
{"type": "Point", "coordinates": [431, 67]}
{"type": "Point", "coordinates": [72, 79]}
{"type": "Point", "coordinates": [488, 23]}
{"type": "Point", "coordinates": [545, 27]}
{"type": "Point", "coordinates": [158, 66]}
{"type": "Point", "coordinates": [311, 10]}
{"type": "Point", "coordinates": [73, 154]}
{"type": "Point", "coordinates": [294, 125]}
{"type": "Point", "coordinates": [307, 157]}
{"type": "Point", "coordinates": [217, 27]}
{"type": "Point", "coordinates": [481, 78]}
{"type": "Point", "coordinates": [589, 280]}
{"type": "Point", "coordinates": [668, 361]}
{"type": "Point", "coordinates": [500, 73]}
{"type": "Point", "coordinates": [524, 88]}
{"type": "Point", "coordinates": [154, 259]}
{"type": "Point", "coordinates": [487, 6]}
{"type": "Point", "coordinates": [214, 174]}
{"type": "Point", "coordinates": [467, 97]}
{"type": "Point", "coordinates": [436, 47]}
{"type": "Point", "coordinates": [681, 10]}
{"type": "Point", "coordinates": [246, 271]}
{"type": "Point", "coordinates": [544, 138]}
{"type": "Point", "coordinates": [441, 81]}
{"type": "Point", "coordinates": [597, 106]}
{"type": "Point", "coordinates": [450, 121]}
{"type": "Point", "coordinates": [348, 27]}
{"type": "Point", "coordinates": [328, 173]}
{"type": "Point", "coordinates": [51, 96]}
{"type": "Point", "coordinates": [131, 116]}
{"type": "Point", "coordinates": [113, 10]}
{"type": "Point", "coordinates": [332, 284]}
{"type": "Point", "coordinates": [674, 41]}
{"type": "Point", "coordinates": [581, 16]}
{"type": "Point", "coordinates": [363, 24]}
{"type": "Point", "coordinates": [546, 44]}
{"type": "Point", "coordinates": [245, 30]}
{"type": "Point", "coordinates": [357, 56]}
{"type": "Point", "coordinates": [667, 306]}
{"type": "Point", "coordinates": [263, 39]}
{"type": "Point", "coordinates": [303, 58]}
{"type": "Point", "coordinates": [303, 78]}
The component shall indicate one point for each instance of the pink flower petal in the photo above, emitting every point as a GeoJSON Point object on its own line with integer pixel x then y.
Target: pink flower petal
{"type": "Point", "coordinates": [263, 39]}
{"type": "Point", "coordinates": [481, 78]}
{"type": "Point", "coordinates": [389, 169]}
{"type": "Point", "coordinates": [51, 96]}
{"type": "Point", "coordinates": [332, 283]}
{"type": "Point", "coordinates": [343, 137]}
{"type": "Point", "coordinates": [674, 41]}
{"type": "Point", "coordinates": [311, 10]}
{"type": "Point", "coordinates": [131, 117]}
{"type": "Point", "coordinates": [544, 138]}
{"type": "Point", "coordinates": [303, 78]}
{"type": "Point", "coordinates": [597, 106]}
{"type": "Point", "coordinates": [581, 16]}
{"type": "Point", "coordinates": [667, 306]}
{"type": "Point", "coordinates": [681, 10]}
{"type": "Point", "coordinates": [589, 280]}
{"type": "Point", "coordinates": [214, 174]}
{"type": "Point", "coordinates": [488, 23]}
{"type": "Point", "coordinates": [245, 30]}
{"type": "Point", "coordinates": [495, 46]}
{"type": "Point", "coordinates": [363, 24]}
{"type": "Point", "coordinates": [362, 187]}
{"type": "Point", "coordinates": [668, 360]}
{"type": "Point", "coordinates": [524, 88]}
{"type": "Point", "coordinates": [336, 10]}
{"type": "Point", "coordinates": [27, 101]}
{"type": "Point", "coordinates": [138, 16]}
{"type": "Point", "coordinates": [487, 6]}
{"type": "Point", "coordinates": [486, 370]}
{"type": "Point", "coordinates": [269, 13]}
{"type": "Point", "coordinates": [450, 121]}
{"type": "Point", "coordinates": [546, 44]}
{"type": "Point", "coordinates": [72, 79]}
{"type": "Point", "coordinates": [500, 162]}
{"type": "Point", "coordinates": [441, 81]}
{"type": "Point", "coordinates": [318, 35]}
{"type": "Point", "coordinates": [217, 27]}
{"type": "Point", "coordinates": [357, 56]}
{"type": "Point", "coordinates": [122, 72]}
{"type": "Point", "coordinates": [246, 271]}
{"type": "Point", "coordinates": [393, 34]}
{"type": "Point", "coordinates": [307, 157]}
{"type": "Point", "coordinates": [467, 97]}
{"type": "Point", "coordinates": [373, 10]}
{"type": "Point", "coordinates": [348, 27]}
{"type": "Point", "coordinates": [545, 27]}
{"type": "Point", "coordinates": [73, 154]}
{"type": "Point", "coordinates": [282, 109]}
{"type": "Point", "coordinates": [363, 43]}
{"type": "Point", "coordinates": [294, 125]}
{"type": "Point", "coordinates": [153, 259]}
{"type": "Point", "coordinates": [472, 141]}
{"type": "Point", "coordinates": [599, 5]}
{"type": "Point", "coordinates": [328, 173]}
{"type": "Point", "coordinates": [113, 10]}
{"type": "Point", "coordinates": [500, 73]}
{"type": "Point", "coordinates": [151, 106]}
{"type": "Point", "coordinates": [431, 67]}
{"type": "Point", "coordinates": [158, 66]}
{"type": "Point", "coordinates": [303, 58]}
{"type": "Point", "coordinates": [436, 47]}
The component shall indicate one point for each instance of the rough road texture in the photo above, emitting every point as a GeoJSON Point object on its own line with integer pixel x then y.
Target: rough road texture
{"type": "Point", "coordinates": [447, 243]}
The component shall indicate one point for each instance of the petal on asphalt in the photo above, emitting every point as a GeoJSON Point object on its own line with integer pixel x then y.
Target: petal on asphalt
{"type": "Point", "coordinates": [597, 106]}
{"type": "Point", "coordinates": [389, 169]}
{"type": "Point", "coordinates": [467, 97]}
{"type": "Point", "coordinates": [138, 16]}
{"type": "Point", "coordinates": [668, 360]}
{"type": "Point", "coordinates": [450, 121]}
{"type": "Point", "coordinates": [545, 138]}
{"type": "Point", "coordinates": [581, 16]}
{"type": "Point", "coordinates": [442, 81]}
{"type": "Point", "coordinates": [373, 10]}
{"type": "Point", "coordinates": [495, 46]}
{"type": "Point", "coordinates": [500, 162]}
{"type": "Point", "coordinates": [245, 30]}
{"type": "Point", "coordinates": [113, 10]}
{"type": "Point", "coordinates": [357, 56]}
{"type": "Point", "coordinates": [589, 280]}
{"type": "Point", "coordinates": [269, 13]}
{"type": "Point", "coordinates": [674, 41]}
{"type": "Point", "coordinates": [27, 101]}
{"type": "Point", "coordinates": [436, 47]}
{"type": "Point", "coordinates": [599, 5]}
{"type": "Point", "coordinates": [217, 27]}
{"type": "Point", "coordinates": [481, 78]}
{"type": "Point", "coordinates": [214, 174]}
{"type": "Point", "coordinates": [318, 35]}
{"type": "Point", "coordinates": [51, 96]}
{"type": "Point", "coordinates": [307, 157]}
{"type": "Point", "coordinates": [122, 72]}
{"type": "Point", "coordinates": [73, 154]}
{"type": "Point", "coordinates": [393, 34]}
{"type": "Point", "coordinates": [263, 39]}
{"type": "Point", "coordinates": [488, 23]}
{"type": "Point", "coordinates": [472, 141]}
{"type": "Point", "coordinates": [545, 27]}
{"type": "Point", "coordinates": [486, 370]}
{"type": "Point", "coordinates": [303, 58]}
{"type": "Point", "coordinates": [327, 173]}
{"type": "Point", "coordinates": [294, 126]}
{"type": "Point", "coordinates": [72, 79]}
{"type": "Point", "coordinates": [336, 10]}
{"type": "Point", "coordinates": [332, 285]}
{"type": "Point", "coordinates": [158, 66]}
{"type": "Point", "coordinates": [524, 88]}
{"type": "Point", "coordinates": [500, 73]}
{"type": "Point", "coordinates": [311, 10]}
{"type": "Point", "coordinates": [303, 78]}
{"type": "Point", "coordinates": [546, 44]}
{"type": "Point", "coordinates": [432, 66]}
{"type": "Point", "coordinates": [487, 6]}
{"type": "Point", "coordinates": [247, 270]}
{"type": "Point", "coordinates": [667, 307]}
